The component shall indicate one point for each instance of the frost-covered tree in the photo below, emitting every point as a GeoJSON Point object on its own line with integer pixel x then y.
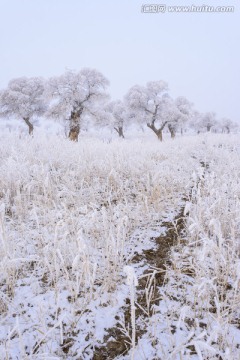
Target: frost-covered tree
{"type": "Point", "coordinates": [119, 116]}
{"type": "Point", "coordinates": [23, 99]}
{"type": "Point", "coordinates": [75, 95]}
{"type": "Point", "coordinates": [206, 121]}
{"type": "Point", "coordinates": [148, 102]}
{"type": "Point", "coordinates": [227, 125]}
{"type": "Point", "coordinates": [176, 112]}
{"type": "Point", "coordinates": [195, 120]}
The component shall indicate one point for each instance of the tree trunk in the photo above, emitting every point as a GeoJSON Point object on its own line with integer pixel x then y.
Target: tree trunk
{"type": "Point", "coordinates": [74, 125]}
{"type": "Point", "coordinates": [74, 132]}
{"type": "Point", "coordinates": [29, 124]}
{"type": "Point", "coordinates": [159, 135]}
{"type": "Point", "coordinates": [172, 131]}
{"type": "Point", "coordinates": [158, 132]}
{"type": "Point", "coordinates": [119, 130]}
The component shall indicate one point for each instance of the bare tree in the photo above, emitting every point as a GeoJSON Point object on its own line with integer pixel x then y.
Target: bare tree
{"type": "Point", "coordinates": [23, 98]}
{"type": "Point", "coordinates": [75, 95]}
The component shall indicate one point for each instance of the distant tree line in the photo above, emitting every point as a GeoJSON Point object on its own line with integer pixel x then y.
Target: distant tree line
{"type": "Point", "coordinates": [79, 96]}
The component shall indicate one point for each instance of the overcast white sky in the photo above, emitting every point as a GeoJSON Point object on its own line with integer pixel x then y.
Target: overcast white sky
{"type": "Point", "coordinates": [198, 54]}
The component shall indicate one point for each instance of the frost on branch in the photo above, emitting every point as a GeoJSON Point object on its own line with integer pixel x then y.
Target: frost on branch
{"type": "Point", "coordinates": [23, 98]}
{"type": "Point", "coordinates": [153, 105]}
{"type": "Point", "coordinates": [176, 112]}
{"type": "Point", "coordinates": [132, 282]}
{"type": "Point", "coordinates": [226, 125]}
{"type": "Point", "coordinates": [131, 276]}
{"type": "Point", "coordinates": [118, 115]}
{"type": "Point", "coordinates": [204, 121]}
{"type": "Point", "coordinates": [75, 95]}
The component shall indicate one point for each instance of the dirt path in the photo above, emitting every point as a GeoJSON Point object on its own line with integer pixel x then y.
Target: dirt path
{"type": "Point", "coordinates": [116, 342]}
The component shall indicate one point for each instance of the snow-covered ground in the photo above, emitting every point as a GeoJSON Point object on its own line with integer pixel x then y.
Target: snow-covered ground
{"type": "Point", "coordinates": [73, 215]}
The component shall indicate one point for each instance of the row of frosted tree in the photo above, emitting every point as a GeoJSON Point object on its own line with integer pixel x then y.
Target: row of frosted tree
{"type": "Point", "coordinates": [78, 97]}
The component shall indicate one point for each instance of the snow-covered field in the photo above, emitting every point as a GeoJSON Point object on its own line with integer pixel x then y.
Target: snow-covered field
{"type": "Point", "coordinates": [74, 215]}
